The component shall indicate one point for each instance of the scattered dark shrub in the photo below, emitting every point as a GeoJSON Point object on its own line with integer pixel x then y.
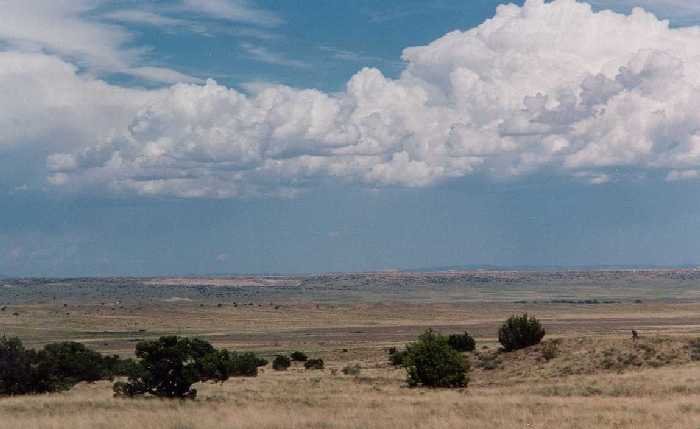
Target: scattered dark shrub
{"type": "Point", "coordinates": [244, 364]}
{"type": "Point", "coordinates": [519, 332]}
{"type": "Point", "coordinates": [298, 356]}
{"type": "Point", "coordinates": [262, 362]}
{"type": "Point", "coordinates": [17, 375]}
{"type": "Point", "coordinates": [462, 342]}
{"type": "Point", "coordinates": [56, 367]}
{"type": "Point", "coordinates": [431, 362]}
{"type": "Point", "coordinates": [391, 350]}
{"type": "Point", "coordinates": [314, 364]}
{"type": "Point", "coordinates": [114, 366]}
{"type": "Point", "coordinates": [71, 363]}
{"type": "Point", "coordinates": [217, 365]}
{"type": "Point", "coordinates": [397, 358]}
{"type": "Point", "coordinates": [281, 363]}
{"type": "Point", "coordinates": [170, 365]}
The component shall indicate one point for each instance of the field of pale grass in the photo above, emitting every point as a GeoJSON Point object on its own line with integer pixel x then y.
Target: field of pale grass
{"type": "Point", "coordinates": [669, 398]}
{"type": "Point", "coordinates": [599, 378]}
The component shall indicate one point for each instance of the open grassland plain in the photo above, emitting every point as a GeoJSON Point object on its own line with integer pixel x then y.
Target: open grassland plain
{"type": "Point", "coordinates": [588, 373]}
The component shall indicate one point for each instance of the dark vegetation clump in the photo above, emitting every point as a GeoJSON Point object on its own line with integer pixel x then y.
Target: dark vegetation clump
{"type": "Point", "coordinates": [72, 363]}
{"type": "Point", "coordinates": [56, 367]}
{"type": "Point", "coordinates": [18, 372]}
{"type": "Point", "coordinates": [281, 363]}
{"type": "Point", "coordinates": [462, 342]}
{"type": "Point", "coordinates": [397, 357]}
{"type": "Point", "coordinates": [242, 364]}
{"type": "Point", "coordinates": [519, 332]}
{"type": "Point", "coordinates": [432, 362]}
{"type": "Point", "coordinates": [298, 356]}
{"type": "Point", "coordinates": [169, 366]}
{"type": "Point", "coordinates": [246, 364]}
{"type": "Point", "coordinates": [314, 364]}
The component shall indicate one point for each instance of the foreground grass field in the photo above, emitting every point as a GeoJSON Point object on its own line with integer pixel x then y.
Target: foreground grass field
{"type": "Point", "coordinates": [648, 398]}
{"type": "Point", "coordinates": [598, 378]}
{"type": "Point", "coordinates": [590, 383]}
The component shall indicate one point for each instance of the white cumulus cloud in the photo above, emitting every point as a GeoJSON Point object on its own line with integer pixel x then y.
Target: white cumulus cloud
{"type": "Point", "coordinates": [551, 88]}
{"type": "Point", "coordinates": [679, 11]}
{"type": "Point", "coordinates": [68, 29]}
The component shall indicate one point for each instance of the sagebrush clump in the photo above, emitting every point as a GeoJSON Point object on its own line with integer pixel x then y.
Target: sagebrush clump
{"type": "Point", "coordinates": [56, 367]}
{"type": "Point", "coordinates": [519, 332]}
{"type": "Point", "coordinates": [462, 342]}
{"type": "Point", "coordinates": [314, 364]}
{"type": "Point", "coordinates": [298, 356]}
{"type": "Point", "coordinates": [281, 363]}
{"type": "Point", "coordinates": [169, 366]}
{"type": "Point", "coordinates": [432, 362]}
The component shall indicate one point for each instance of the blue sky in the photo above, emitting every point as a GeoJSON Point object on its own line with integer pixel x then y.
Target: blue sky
{"type": "Point", "coordinates": [323, 144]}
{"type": "Point", "coordinates": [315, 44]}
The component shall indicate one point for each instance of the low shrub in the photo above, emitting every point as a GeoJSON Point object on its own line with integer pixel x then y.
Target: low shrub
{"type": "Point", "coordinates": [169, 366]}
{"type": "Point", "coordinates": [244, 364]}
{"type": "Point", "coordinates": [432, 362]}
{"type": "Point", "coordinates": [114, 366]}
{"type": "Point", "coordinates": [462, 342]}
{"type": "Point", "coordinates": [519, 332]}
{"type": "Point", "coordinates": [298, 356]}
{"type": "Point", "coordinates": [56, 367]}
{"type": "Point", "coordinates": [397, 358]}
{"type": "Point", "coordinates": [18, 376]}
{"type": "Point", "coordinates": [281, 363]}
{"type": "Point", "coordinates": [314, 364]}
{"type": "Point", "coordinates": [71, 363]}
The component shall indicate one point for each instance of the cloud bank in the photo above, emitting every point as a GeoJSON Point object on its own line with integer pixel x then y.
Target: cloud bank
{"type": "Point", "coordinates": [679, 11]}
{"type": "Point", "coordinates": [546, 88]}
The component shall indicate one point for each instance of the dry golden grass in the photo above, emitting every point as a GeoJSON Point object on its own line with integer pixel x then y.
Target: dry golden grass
{"type": "Point", "coordinates": [651, 398]}
{"type": "Point", "coordinates": [599, 379]}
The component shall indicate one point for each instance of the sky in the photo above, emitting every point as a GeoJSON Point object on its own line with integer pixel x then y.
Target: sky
{"type": "Point", "coordinates": [188, 137]}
